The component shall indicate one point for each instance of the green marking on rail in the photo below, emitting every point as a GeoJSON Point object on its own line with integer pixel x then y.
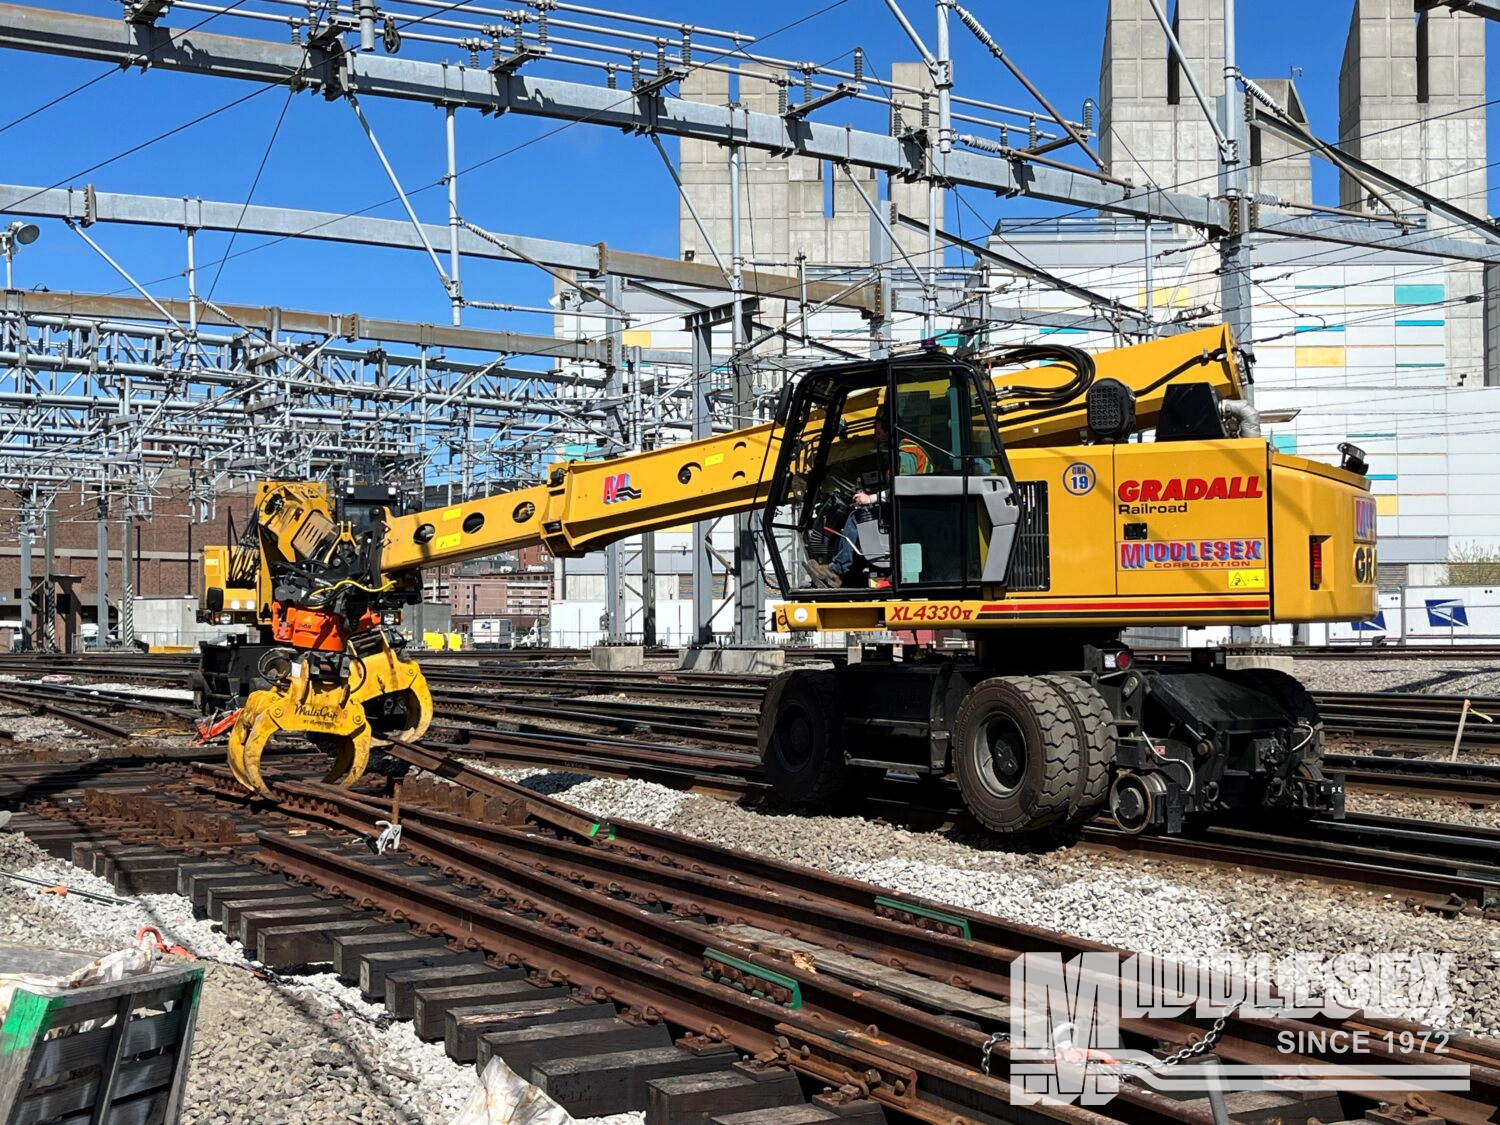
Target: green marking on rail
{"type": "Point", "coordinates": [597, 825]}
{"type": "Point", "coordinates": [961, 924]}
{"type": "Point", "coordinates": [28, 1013]}
{"type": "Point", "coordinates": [789, 983]}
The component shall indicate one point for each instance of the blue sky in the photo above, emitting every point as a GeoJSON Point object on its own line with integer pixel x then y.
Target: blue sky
{"type": "Point", "coordinates": [580, 183]}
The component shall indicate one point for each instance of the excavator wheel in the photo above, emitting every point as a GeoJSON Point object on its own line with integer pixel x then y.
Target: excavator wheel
{"type": "Point", "coordinates": [802, 737]}
{"type": "Point", "coordinates": [1094, 725]}
{"type": "Point", "coordinates": [1016, 754]}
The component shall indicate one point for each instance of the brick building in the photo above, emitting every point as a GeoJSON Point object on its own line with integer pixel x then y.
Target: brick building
{"type": "Point", "coordinates": [162, 554]}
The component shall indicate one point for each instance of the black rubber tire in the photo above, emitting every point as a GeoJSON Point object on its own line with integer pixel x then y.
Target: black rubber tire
{"type": "Point", "coordinates": [1295, 699]}
{"type": "Point", "coordinates": [802, 737]}
{"type": "Point", "coordinates": [1094, 725]}
{"type": "Point", "coordinates": [1031, 714]}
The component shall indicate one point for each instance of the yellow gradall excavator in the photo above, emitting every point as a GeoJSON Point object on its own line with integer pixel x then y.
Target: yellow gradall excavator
{"type": "Point", "coordinates": [1015, 497]}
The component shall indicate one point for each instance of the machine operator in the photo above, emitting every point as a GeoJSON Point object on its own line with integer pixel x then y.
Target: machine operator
{"type": "Point", "coordinates": [911, 460]}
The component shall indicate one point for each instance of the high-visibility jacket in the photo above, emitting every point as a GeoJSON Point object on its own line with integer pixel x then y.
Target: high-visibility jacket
{"type": "Point", "coordinates": [911, 459]}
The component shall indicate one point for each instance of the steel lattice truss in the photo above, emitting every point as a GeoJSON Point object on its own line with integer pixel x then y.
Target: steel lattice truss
{"type": "Point", "coordinates": [105, 400]}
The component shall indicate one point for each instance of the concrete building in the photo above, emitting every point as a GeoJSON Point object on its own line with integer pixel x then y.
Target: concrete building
{"type": "Point", "coordinates": [793, 205]}
{"type": "Point", "coordinates": [1152, 129]}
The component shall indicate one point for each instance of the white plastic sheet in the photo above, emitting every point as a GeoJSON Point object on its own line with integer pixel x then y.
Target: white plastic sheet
{"type": "Point", "coordinates": [134, 959]}
{"type": "Point", "coordinates": [505, 1098]}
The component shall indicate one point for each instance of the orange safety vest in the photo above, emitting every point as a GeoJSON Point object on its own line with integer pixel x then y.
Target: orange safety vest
{"type": "Point", "coordinates": [918, 455]}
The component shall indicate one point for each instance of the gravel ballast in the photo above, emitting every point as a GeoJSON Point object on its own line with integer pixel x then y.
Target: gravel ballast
{"type": "Point", "coordinates": [1173, 910]}
{"type": "Point", "coordinates": [1441, 676]}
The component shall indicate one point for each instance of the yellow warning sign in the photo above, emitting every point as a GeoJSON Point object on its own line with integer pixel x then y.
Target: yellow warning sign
{"type": "Point", "coordinates": [1247, 579]}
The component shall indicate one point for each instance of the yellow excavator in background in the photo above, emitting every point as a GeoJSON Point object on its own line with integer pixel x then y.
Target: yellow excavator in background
{"type": "Point", "coordinates": [1014, 497]}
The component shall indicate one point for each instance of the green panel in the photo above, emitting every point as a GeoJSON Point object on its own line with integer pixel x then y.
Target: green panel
{"type": "Point", "coordinates": [1419, 294]}
{"type": "Point", "coordinates": [1421, 365]}
{"type": "Point", "coordinates": [1284, 443]}
{"type": "Point", "coordinates": [1380, 476]}
{"type": "Point", "coordinates": [26, 1019]}
{"type": "Point", "coordinates": [1061, 332]}
{"type": "Point", "coordinates": [960, 924]}
{"type": "Point", "coordinates": [1320, 328]}
{"type": "Point", "coordinates": [789, 983]}
{"type": "Point", "coordinates": [1419, 323]}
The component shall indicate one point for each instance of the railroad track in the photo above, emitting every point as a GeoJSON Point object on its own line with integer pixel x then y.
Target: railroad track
{"type": "Point", "coordinates": [651, 938]}
{"type": "Point", "coordinates": [615, 725]}
{"type": "Point", "coordinates": [1416, 719]}
{"type": "Point", "coordinates": [1474, 782]}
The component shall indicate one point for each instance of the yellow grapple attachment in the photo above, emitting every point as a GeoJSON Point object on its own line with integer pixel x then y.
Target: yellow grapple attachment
{"type": "Point", "coordinates": [333, 711]}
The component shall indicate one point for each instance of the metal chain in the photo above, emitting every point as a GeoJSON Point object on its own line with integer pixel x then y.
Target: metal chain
{"type": "Point", "coordinates": [1192, 1051]}
{"type": "Point", "coordinates": [989, 1045]}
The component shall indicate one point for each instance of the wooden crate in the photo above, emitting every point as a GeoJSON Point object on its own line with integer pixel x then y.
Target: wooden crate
{"type": "Point", "coordinates": [129, 1068]}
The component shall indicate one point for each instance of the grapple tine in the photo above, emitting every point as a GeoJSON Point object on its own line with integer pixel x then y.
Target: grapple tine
{"type": "Point", "coordinates": [352, 760]}
{"type": "Point", "coordinates": [247, 739]}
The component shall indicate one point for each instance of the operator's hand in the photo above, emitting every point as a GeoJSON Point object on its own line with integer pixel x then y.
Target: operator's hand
{"type": "Point", "coordinates": [863, 497]}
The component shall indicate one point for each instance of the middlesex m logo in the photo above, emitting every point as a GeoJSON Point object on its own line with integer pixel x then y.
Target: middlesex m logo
{"type": "Point", "coordinates": [617, 489]}
{"type": "Point", "coordinates": [1144, 497]}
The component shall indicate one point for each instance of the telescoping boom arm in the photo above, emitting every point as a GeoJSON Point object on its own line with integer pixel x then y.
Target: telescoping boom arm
{"type": "Point", "coordinates": [586, 505]}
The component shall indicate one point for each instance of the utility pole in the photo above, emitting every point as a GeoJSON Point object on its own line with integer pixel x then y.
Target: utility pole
{"type": "Point", "coordinates": [614, 397]}
{"type": "Point", "coordinates": [101, 638]}
{"type": "Point", "coordinates": [749, 595]}
{"type": "Point", "coordinates": [1234, 182]}
{"type": "Point", "coordinates": [49, 582]}
{"type": "Point", "coordinates": [25, 609]}
{"type": "Point", "coordinates": [127, 579]}
{"type": "Point", "coordinates": [700, 328]}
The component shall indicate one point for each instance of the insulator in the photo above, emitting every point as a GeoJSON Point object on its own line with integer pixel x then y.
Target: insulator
{"type": "Point", "coordinates": [898, 126]}
{"type": "Point", "coordinates": [859, 64]}
{"type": "Point", "coordinates": [541, 29]}
{"type": "Point", "coordinates": [474, 46]}
{"type": "Point", "coordinates": [1031, 134]}
{"type": "Point", "coordinates": [518, 33]}
{"type": "Point", "coordinates": [296, 32]}
{"type": "Point", "coordinates": [661, 56]}
{"type": "Point", "coordinates": [1004, 137]}
{"type": "Point", "coordinates": [610, 78]}
{"type": "Point", "coordinates": [687, 47]}
{"type": "Point", "coordinates": [925, 111]}
{"type": "Point", "coordinates": [635, 69]}
{"type": "Point", "coordinates": [1088, 115]}
{"type": "Point", "coordinates": [781, 106]}
{"type": "Point", "coordinates": [807, 90]}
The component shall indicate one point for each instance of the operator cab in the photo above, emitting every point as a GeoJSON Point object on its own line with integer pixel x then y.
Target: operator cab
{"type": "Point", "coordinates": [891, 477]}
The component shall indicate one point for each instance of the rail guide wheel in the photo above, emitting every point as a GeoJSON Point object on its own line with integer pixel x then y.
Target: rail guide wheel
{"type": "Point", "coordinates": [1017, 755]}
{"type": "Point", "coordinates": [1133, 799]}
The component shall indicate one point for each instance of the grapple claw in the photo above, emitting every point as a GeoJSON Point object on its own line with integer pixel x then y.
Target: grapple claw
{"type": "Point", "coordinates": [333, 713]}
